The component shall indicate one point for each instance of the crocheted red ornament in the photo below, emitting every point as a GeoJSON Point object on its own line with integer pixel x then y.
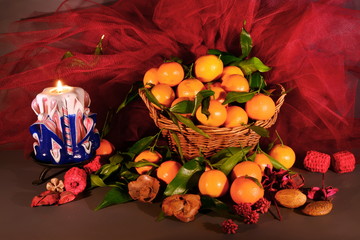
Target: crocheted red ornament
{"type": "Point", "coordinates": [316, 161]}
{"type": "Point", "coordinates": [343, 162]}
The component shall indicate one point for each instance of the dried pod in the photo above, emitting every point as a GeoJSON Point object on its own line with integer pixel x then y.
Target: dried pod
{"type": "Point", "coordinates": [318, 208]}
{"type": "Point", "coordinates": [183, 207]}
{"type": "Point", "coordinates": [144, 189]}
{"type": "Point", "coordinates": [55, 185]}
{"type": "Point", "coordinates": [290, 198]}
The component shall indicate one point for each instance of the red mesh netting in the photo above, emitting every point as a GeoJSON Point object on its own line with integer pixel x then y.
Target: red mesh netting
{"type": "Point", "coordinates": [313, 48]}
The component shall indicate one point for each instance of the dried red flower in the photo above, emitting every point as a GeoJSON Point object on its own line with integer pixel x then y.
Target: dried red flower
{"type": "Point", "coordinates": [229, 227]}
{"type": "Point", "coordinates": [75, 180]}
{"type": "Point", "coordinates": [275, 180]}
{"type": "Point", "coordinates": [45, 198]}
{"type": "Point", "coordinates": [93, 165]}
{"type": "Point", "coordinates": [66, 197]}
{"type": "Point", "coordinates": [317, 193]}
{"type": "Point", "coordinates": [262, 205]}
{"type": "Point", "coordinates": [252, 217]}
{"type": "Point", "coordinates": [242, 209]}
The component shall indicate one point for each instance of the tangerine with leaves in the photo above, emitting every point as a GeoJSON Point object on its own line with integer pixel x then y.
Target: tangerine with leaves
{"type": "Point", "coordinates": [263, 161]}
{"type": "Point", "coordinates": [219, 92]}
{"type": "Point", "coordinates": [170, 73]}
{"type": "Point", "coordinates": [235, 83]}
{"type": "Point", "coordinates": [208, 68]}
{"type": "Point", "coordinates": [178, 100]}
{"type": "Point", "coordinates": [150, 77]}
{"type": "Point", "coordinates": [236, 116]}
{"type": "Point", "coordinates": [260, 107]}
{"type": "Point", "coordinates": [247, 168]}
{"type": "Point", "coordinates": [217, 115]}
{"type": "Point", "coordinates": [213, 183]}
{"type": "Point", "coordinates": [164, 94]}
{"type": "Point", "coordinates": [168, 170]}
{"type": "Point", "coordinates": [283, 154]}
{"type": "Point", "coordinates": [189, 88]}
{"type": "Point", "coordinates": [105, 148]}
{"type": "Point", "coordinates": [230, 70]}
{"type": "Point", "coordinates": [150, 156]}
{"type": "Point", "coordinates": [246, 190]}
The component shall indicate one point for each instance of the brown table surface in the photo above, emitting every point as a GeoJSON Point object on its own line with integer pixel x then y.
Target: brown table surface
{"type": "Point", "coordinates": [78, 220]}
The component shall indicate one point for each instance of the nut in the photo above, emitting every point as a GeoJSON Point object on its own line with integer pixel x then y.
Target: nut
{"type": "Point", "coordinates": [290, 198]}
{"type": "Point", "coordinates": [318, 208]}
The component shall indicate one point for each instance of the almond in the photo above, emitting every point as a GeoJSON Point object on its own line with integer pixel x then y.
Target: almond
{"type": "Point", "coordinates": [318, 208]}
{"type": "Point", "coordinates": [290, 198]}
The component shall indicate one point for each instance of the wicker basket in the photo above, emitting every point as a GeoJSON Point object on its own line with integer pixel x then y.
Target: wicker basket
{"type": "Point", "coordinates": [192, 143]}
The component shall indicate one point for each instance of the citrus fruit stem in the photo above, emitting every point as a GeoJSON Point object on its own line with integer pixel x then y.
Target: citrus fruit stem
{"type": "Point", "coordinates": [281, 141]}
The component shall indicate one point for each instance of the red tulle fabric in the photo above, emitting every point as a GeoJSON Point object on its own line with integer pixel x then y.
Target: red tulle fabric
{"type": "Point", "coordinates": [313, 48]}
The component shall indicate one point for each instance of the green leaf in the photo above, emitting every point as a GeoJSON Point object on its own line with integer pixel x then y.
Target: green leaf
{"type": "Point", "coordinates": [252, 65]}
{"type": "Point", "coordinates": [161, 216]}
{"type": "Point", "coordinates": [96, 181]}
{"type": "Point", "coordinates": [199, 99]}
{"type": "Point", "coordinates": [141, 144]}
{"type": "Point", "coordinates": [67, 55]}
{"type": "Point", "coordinates": [226, 58]}
{"type": "Point", "coordinates": [116, 158]}
{"type": "Point", "coordinates": [263, 132]}
{"type": "Point", "coordinates": [239, 97]}
{"type": "Point", "coordinates": [187, 122]}
{"type": "Point", "coordinates": [114, 196]}
{"type": "Point", "coordinates": [245, 43]}
{"type": "Point", "coordinates": [224, 154]}
{"type": "Point", "coordinates": [131, 95]}
{"type": "Point", "coordinates": [256, 81]}
{"type": "Point", "coordinates": [178, 145]}
{"type": "Point", "coordinates": [219, 207]}
{"type": "Point", "coordinates": [185, 106]}
{"type": "Point", "coordinates": [275, 162]}
{"type": "Point", "coordinates": [107, 124]}
{"type": "Point", "coordinates": [213, 204]}
{"type": "Point", "coordinates": [180, 184]}
{"type": "Point", "coordinates": [140, 163]}
{"type": "Point", "coordinates": [151, 98]}
{"type": "Point", "coordinates": [255, 180]}
{"type": "Point", "coordinates": [107, 169]}
{"type": "Point", "coordinates": [230, 163]}
{"type": "Point", "coordinates": [125, 173]}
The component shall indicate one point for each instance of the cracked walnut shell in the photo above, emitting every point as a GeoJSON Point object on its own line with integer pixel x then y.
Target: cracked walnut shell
{"type": "Point", "coordinates": [183, 207]}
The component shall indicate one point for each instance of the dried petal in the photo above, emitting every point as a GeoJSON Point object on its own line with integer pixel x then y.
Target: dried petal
{"type": "Point", "coordinates": [183, 207]}
{"type": "Point", "coordinates": [75, 180]}
{"type": "Point", "coordinates": [94, 165]}
{"type": "Point", "coordinates": [144, 189]}
{"type": "Point", "coordinates": [45, 198]}
{"type": "Point", "coordinates": [317, 193]}
{"type": "Point", "coordinates": [55, 185]}
{"type": "Point", "coordinates": [66, 197]}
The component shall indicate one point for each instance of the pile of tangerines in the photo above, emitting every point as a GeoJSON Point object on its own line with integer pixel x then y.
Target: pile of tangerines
{"type": "Point", "coordinates": [170, 87]}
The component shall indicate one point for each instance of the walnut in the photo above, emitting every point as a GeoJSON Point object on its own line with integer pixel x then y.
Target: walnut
{"type": "Point", "coordinates": [183, 207]}
{"type": "Point", "coordinates": [144, 189]}
{"type": "Point", "coordinates": [55, 185]}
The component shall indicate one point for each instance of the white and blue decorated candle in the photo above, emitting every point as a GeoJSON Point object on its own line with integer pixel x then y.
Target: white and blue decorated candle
{"type": "Point", "coordinates": [65, 129]}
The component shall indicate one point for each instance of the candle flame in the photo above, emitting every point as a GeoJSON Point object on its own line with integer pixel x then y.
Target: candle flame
{"type": "Point", "coordinates": [59, 86]}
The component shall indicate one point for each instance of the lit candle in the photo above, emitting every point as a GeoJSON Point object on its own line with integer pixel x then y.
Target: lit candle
{"type": "Point", "coordinates": [65, 130]}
